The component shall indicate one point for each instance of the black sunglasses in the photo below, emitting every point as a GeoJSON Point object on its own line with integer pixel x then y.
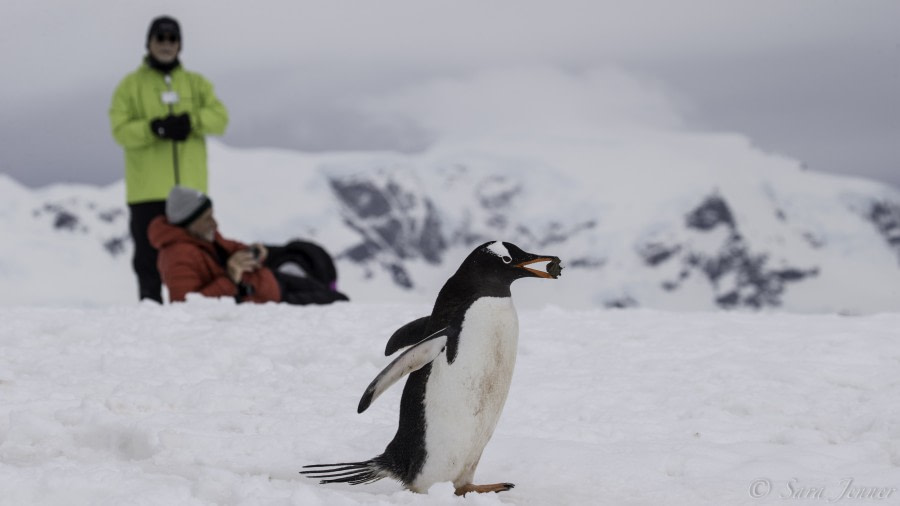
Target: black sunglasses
{"type": "Point", "coordinates": [167, 37]}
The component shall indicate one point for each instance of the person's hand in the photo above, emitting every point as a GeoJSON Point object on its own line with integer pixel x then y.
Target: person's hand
{"type": "Point", "coordinates": [176, 128]}
{"type": "Point", "coordinates": [159, 127]}
{"type": "Point", "coordinates": [240, 262]}
{"type": "Point", "coordinates": [180, 127]}
{"type": "Point", "coordinates": [263, 252]}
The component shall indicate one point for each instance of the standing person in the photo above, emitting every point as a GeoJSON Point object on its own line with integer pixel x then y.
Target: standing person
{"type": "Point", "coordinates": [160, 115]}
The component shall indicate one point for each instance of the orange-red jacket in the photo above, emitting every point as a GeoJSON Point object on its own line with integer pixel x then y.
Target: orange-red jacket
{"type": "Point", "coordinates": [188, 264]}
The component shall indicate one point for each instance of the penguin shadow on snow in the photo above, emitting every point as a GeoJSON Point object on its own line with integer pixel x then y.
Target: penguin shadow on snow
{"type": "Point", "coordinates": [460, 361]}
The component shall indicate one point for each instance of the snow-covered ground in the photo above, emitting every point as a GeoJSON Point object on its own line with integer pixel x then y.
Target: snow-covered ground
{"type": "Point", "coordinates": [212, 403]}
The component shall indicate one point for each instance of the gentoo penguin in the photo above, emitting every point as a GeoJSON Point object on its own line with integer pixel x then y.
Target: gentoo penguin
{"type": "Point", "coordinates": [460, 361]}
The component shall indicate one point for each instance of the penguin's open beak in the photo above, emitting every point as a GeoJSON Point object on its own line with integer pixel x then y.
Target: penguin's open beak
{"type": "Point", "coordinates": [542, 267]}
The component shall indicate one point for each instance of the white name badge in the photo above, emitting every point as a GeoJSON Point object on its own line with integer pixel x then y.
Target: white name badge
{"type": "Point", "coordinates": [170, 97]}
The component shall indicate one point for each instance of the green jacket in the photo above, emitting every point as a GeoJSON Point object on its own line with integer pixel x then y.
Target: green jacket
{"type": "Point", "coordinates": [149, 165]}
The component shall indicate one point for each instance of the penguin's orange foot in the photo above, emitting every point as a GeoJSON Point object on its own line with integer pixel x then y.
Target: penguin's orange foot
{"type": "Point", "coordinates": [481, 489]}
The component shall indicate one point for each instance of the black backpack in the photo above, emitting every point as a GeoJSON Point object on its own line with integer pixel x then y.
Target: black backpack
{"type": "Point", "coordinates": [310, 257]}
{"type": "Point", "coordinates": [305, 272]}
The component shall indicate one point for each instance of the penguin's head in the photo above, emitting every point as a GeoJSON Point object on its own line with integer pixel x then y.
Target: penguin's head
{"type": "Point", "coordinates": [505, 262]}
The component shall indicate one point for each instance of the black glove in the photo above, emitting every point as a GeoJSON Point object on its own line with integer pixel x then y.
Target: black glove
{"type": "Point", "coordinates": [172, 127]}
{"type": "Point", "coordinates": [158, 127]}
{"type": "Point", "coordinates": [180, 127]}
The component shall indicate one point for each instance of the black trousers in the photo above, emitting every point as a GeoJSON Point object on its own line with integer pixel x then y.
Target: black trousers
{"type": "Point", "coordinates": [144, 260]}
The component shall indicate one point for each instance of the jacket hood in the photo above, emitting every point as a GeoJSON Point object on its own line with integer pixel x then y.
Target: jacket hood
{"type": "Point", "coordinates": [163, 234]}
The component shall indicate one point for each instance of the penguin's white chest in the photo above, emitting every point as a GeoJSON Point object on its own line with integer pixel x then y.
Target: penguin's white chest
{"type": "Point", "coordinates": [463, 400]}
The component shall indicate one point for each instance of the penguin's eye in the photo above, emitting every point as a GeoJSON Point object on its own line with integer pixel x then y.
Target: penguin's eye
{"type": "Point", "coordinates": [506, 259]}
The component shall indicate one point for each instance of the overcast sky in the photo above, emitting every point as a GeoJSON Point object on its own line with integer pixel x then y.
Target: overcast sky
{"type": "Point", "coordinates": [816, 80]}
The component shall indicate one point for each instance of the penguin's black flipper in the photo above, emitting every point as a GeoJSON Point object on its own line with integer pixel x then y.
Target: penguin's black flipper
{"type": "Point", "coordinates": [410, 360]}
{"type": "Point", "coordinates": [407, 335]}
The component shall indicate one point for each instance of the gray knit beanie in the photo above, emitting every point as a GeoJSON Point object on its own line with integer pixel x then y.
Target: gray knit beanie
{"type": "Point", "coordinates": [185, 205]}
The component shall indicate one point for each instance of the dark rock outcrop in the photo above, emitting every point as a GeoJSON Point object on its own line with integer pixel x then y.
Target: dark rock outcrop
{"type": "Point", "coordinates": [739, 277]}
{"type": "Point", "coordinates": [397, 222]}
{"type": "Point", "coordinates": [714, 211]}
{"type": "Point", "coordinates": [886, 218]}
{"type": "Point", "coordinates": [83, 216]}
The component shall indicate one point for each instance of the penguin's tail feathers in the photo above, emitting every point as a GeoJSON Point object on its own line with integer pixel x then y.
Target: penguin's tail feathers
{"type": "Point", "coordinates": [354, 473]}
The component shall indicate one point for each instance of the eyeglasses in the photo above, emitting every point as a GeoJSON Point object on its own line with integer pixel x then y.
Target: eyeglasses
{"type": "Point", "coordinates": [167, 37]}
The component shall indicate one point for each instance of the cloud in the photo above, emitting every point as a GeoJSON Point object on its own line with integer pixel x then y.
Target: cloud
{"type": "Point", "coordinates": [94, 41]}
{"type": "Point", "coordinates": [529, 101]}
{"type": "Point", "coordinates": [396, 74]}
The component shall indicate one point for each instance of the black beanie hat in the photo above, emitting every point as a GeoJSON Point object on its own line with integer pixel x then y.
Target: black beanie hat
{"type": "Point", "coordinates": [163, 24]}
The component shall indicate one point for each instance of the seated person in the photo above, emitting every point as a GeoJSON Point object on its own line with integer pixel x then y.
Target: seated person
{"type": "Point", "coordinates": [194, 257]}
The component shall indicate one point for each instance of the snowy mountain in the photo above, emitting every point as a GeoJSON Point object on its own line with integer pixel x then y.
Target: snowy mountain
{"type": "Point", "coordinates": [652, 219]}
